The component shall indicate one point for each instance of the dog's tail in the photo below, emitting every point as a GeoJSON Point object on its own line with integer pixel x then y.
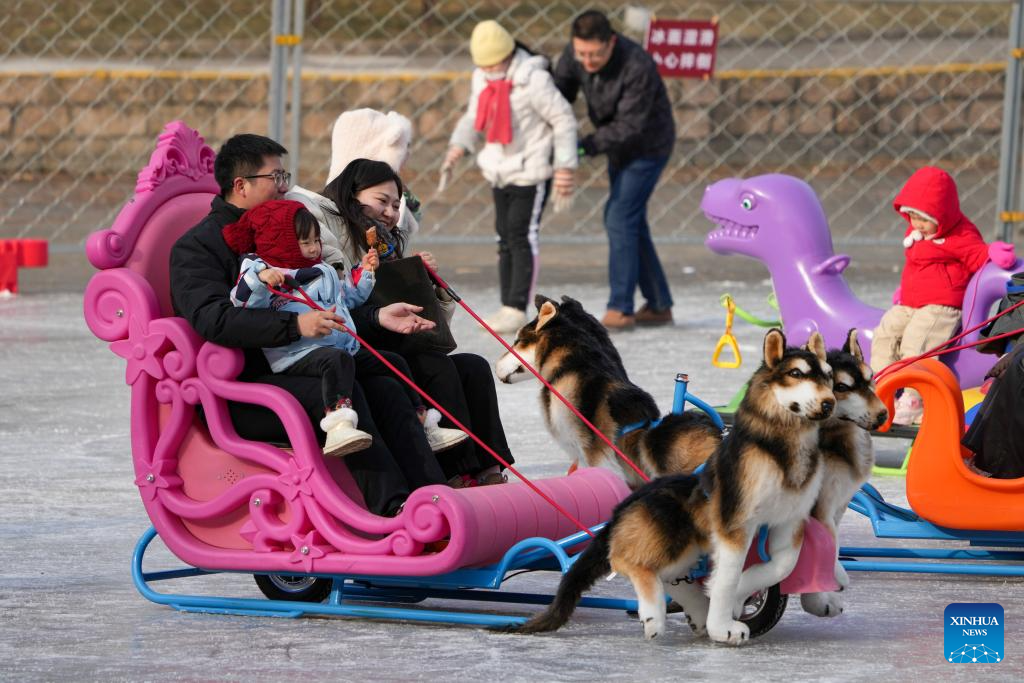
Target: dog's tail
{"type": "Point", "coordinates": [591, 565]}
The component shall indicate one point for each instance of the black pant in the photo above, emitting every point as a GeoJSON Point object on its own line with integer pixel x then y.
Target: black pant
{"type": "Point", "coordinates": [399, 459]}
{"type": "Point", "coordinates": [464, 385]}
{"type": "Point", "coordinates": [995, 433]}
{"type": "Point", "coordinates": [517, 211]}
{"type": "Point", "coordinates": [368, 365]}
{"type": "Point", "coordinates": [335, 368]}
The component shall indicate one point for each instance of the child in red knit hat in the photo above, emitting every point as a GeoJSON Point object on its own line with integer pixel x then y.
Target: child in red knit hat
{"type": "Point", "coordinates": [280, 239]}
{"type": "Point", "coordinates": [943, 251]}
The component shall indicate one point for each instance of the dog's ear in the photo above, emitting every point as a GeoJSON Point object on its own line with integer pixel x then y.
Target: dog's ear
{"type": "Point", "coordinates": [568, 300]}
{"type": "Point", "coordinates": [816, 345]}
{"type": "Point", "coordinates": [852, 346]}
{"type": "Point", "coordinates": [539, 300]}
{"type": "Point", "coordinates": [545, 313]}
{"type": "Point", "coordinates": [774, 347]}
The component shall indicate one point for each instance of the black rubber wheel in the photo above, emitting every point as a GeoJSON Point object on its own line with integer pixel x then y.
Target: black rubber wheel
{"type": "Point", "coordinates": [296, 588]}
{"type": "Point", "coordinates": [763, 610]}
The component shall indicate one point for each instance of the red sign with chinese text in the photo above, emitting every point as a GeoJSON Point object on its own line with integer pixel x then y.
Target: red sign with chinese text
{"type": "Point", "coordinates": [683, 49]}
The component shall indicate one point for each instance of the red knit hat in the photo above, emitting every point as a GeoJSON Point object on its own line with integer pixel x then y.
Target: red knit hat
{"type": "Point", "coordinates": [269, 230]}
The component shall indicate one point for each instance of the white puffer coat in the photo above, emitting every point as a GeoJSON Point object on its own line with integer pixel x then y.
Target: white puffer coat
{"type": "Point", "coordinates": [543, 124]}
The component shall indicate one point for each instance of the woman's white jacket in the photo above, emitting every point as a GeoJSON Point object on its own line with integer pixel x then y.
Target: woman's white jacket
{"type": "Point", "coordinates": [543, 127]}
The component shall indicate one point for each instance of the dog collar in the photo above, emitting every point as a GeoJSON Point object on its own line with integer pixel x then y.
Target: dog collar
{"type": "Point", "coordinates": [632, 427]}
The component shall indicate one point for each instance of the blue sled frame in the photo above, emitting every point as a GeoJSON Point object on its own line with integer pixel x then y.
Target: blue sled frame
{"type": "Point", "coordinates": [479, 585]}
{"type": "Point", "coordinates": [892, 521]}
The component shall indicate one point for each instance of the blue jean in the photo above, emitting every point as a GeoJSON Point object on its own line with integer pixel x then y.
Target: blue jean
{"type": "Point", "coordinates": [632, 259]}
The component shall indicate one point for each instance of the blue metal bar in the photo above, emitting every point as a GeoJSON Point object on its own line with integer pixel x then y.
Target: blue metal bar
{"type": "Point", "coordinates": [396, 588]}
{"type": "Point", "coordinates": [526, 559]}
{"type": "Point", "coordinates": [933, 553]}
{"type": "Point", "coordinates": [681, 395]}
{"type": "Point", "coordinates": [933, 568]}
{"type": "Point", "coordinates": [384, 591]}
{"type": "Point", "coordinates": [175, 574]}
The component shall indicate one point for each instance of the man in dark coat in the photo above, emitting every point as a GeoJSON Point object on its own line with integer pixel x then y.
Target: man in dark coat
{"type": "Point", "coordinates": [203, 268]}
{"type": "Point", "coordinates": [995, 433]}
{"type": "Point", "coordinates": [629, 107]}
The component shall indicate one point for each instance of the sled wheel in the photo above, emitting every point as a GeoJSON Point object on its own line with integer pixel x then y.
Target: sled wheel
{"type": "Point", "coordinates": [763, 609]}
{"type": "Point", "coordinates": [296, 588]}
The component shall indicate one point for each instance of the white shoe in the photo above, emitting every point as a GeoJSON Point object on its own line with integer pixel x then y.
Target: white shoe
{"type": "Point", "coordinates": [440, 438]}
{"type": "Point", "coordinates": [507, 320]}
{"type": "Point", "coordinates": [342, 436]}
{"type": "Point", "coordinates": [909, 408]}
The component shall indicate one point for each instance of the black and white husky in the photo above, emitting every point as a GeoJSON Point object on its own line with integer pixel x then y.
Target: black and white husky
{"type": "Point", "coordinates": [766, 472]}
{"type": "Point", "coordinates": [573, 351]}
{"type": "Point", "coordinates": [847, 454]}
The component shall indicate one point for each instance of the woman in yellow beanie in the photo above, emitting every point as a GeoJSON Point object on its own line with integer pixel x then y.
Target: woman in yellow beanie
{"type": "Point", "coordinates": [529, 137]}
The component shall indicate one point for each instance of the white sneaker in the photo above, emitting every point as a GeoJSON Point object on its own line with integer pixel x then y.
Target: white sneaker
{"type": "Point", "coordinates": [507, 320]}
{"type": "Point", "coordinates": [909, 408]}
{"type": "Point", "coordinates": [342, 436]}
{"type": "Point", "coordinates": [441, 438]}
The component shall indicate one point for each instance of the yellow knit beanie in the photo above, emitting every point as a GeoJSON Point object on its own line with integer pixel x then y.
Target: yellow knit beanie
{"type": "Point", "coordinates": [490, 43]}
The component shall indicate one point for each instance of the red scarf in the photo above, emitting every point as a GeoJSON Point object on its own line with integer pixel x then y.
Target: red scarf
{"type": "Point", "coordinates": [269, 231]}
{"type": "Point", "coordinates": [494, 112]}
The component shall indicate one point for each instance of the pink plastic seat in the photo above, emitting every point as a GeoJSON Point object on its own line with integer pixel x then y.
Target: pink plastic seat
{"type": "Point", "coordinates": [222, 502]}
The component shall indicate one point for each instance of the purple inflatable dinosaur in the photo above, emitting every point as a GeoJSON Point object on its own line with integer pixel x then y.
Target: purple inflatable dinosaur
{"type": "Point", "coordinates": [778, 220]}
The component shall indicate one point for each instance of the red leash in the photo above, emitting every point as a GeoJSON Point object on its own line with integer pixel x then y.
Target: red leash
{"type": "Point", "coordinates": [940, 350]}
{"type": "Point", "coordinates": [312, 304]}
{"type": "Point", "coordinates": [444, 285]}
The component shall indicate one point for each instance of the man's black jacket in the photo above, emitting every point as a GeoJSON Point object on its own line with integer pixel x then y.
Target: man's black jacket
{"type": "Point", "coordinates": [203, 271]}
{"type": "Point", "coordinates": [626, 101]}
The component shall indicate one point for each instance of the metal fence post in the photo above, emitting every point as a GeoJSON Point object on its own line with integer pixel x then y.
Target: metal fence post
{"type": "Point", "coordinates": [1010, 191]}
{"type": "Point", "coordinates": [296, 107]}
{"type": "Point", "coordinates": [278, 28]}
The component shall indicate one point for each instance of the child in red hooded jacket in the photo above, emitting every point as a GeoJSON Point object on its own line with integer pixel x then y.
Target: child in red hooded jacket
{"type": "Point", "coordinates": [943, 251]}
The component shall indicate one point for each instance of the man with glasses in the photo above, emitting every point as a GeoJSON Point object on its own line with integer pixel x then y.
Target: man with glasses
{"type": "Point", "coordinates": [629, 107]}
{"type": "Point", "coordinates": [203, 269]}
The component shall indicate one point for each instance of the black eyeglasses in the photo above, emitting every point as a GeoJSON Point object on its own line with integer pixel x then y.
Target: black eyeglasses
{"type": "Point", "coordinates": [280, 177]}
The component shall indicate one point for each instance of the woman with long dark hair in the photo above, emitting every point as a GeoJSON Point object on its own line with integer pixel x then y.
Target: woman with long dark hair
{"type": "Point", "coordinates": [367, 194]}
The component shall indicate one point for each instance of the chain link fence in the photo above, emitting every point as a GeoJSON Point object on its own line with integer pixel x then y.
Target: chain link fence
{"type": "Point", "coordinates": [851, 96]}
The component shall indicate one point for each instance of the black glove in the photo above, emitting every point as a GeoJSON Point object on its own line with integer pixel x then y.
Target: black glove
{"type": "Point", "coordinates": [997, 370]}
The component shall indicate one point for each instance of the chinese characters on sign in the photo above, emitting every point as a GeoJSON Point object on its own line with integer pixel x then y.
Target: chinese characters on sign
{"type": "Point", "coordinates": [683, 49]}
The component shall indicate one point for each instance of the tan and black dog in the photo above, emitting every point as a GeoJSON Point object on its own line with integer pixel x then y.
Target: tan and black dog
{"type": "Point", "coordinates": [572, 351]}
{"type": "Point", "coordinates": [847, 454]}
{"type": "Point", "coordinates": [767, 471]}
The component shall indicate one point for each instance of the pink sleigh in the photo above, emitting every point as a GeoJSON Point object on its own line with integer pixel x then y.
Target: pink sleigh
{"type": "Point", "coordinates": [223, 503]}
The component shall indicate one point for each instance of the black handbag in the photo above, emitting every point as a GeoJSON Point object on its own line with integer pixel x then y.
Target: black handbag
{"type": "Point", "coordinates": [406, 280]}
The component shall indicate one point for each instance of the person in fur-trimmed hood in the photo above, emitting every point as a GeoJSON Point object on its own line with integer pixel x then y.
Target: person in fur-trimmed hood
{"type": "Point", "coordinates": [529, 135]}
{"type": "Point", "coordinates": [361, 134]}
{"type": "Point", "coordinates": [943, 250]}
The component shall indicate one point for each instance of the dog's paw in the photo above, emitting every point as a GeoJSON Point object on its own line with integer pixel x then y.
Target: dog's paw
{"type": "Point", "coordinates": [732, 632]}
{"type": "Point", "coordinates": [653, 627]}
{"type": "Point", "coordinates": [822, 604]}
{"type": "Point", "coordinates": [699, 628]}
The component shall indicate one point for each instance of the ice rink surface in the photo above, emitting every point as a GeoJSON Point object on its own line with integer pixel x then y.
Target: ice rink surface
{"type": "Point", "coordinates": [71, 516]}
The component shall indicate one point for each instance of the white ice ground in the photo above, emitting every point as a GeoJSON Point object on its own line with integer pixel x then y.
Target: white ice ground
{"type": "Point", "coordinates": [71, 515]}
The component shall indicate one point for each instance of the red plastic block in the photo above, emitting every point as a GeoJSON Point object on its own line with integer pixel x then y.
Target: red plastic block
{"type": "Point", "coordinates": [20, 253]}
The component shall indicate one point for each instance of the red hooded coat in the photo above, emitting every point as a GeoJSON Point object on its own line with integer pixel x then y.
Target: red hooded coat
{"type": "Point", "coordinates": [938, 273]}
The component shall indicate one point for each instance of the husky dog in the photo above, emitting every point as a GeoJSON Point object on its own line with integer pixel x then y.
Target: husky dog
{"type": "Point", "coordinates": [767, 471]}
{"type": "Point", "coordinates": [573, 352]}
{"type": "Point", "coordinates": [847, 454]}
